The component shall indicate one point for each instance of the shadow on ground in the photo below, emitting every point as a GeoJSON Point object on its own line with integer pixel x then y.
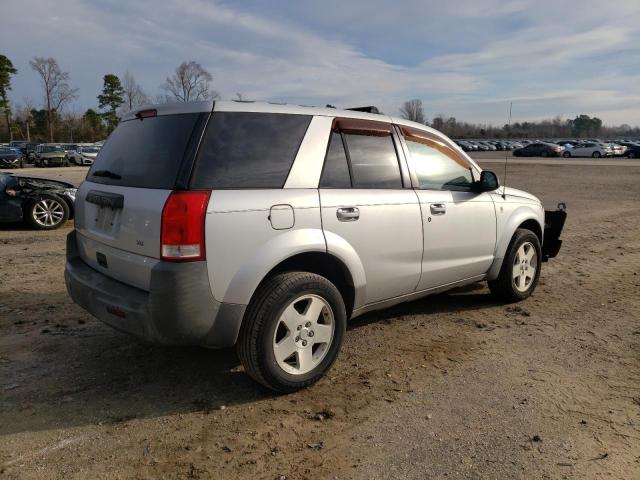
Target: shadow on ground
{"type": "Point", "coordinates": [80, 372]}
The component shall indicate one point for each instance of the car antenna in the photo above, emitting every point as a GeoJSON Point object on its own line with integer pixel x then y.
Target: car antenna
{"type": "Point", "coordinates": [506, 158]}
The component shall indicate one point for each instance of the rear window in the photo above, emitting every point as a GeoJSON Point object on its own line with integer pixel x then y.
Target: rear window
{"type": "Point", "coordinates": [248, 150]}
{"type": "Point", "coordinates": [144, 153]}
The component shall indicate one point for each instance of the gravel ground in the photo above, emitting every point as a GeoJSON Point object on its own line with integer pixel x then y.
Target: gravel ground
{"type": "Point", "coordinates": [454, 385]}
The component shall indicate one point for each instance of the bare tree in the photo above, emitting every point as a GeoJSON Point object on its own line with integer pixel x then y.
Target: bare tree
{"type": "Point", "coordinates": [57, 91]}
{"type": "Point", "coordinates": [412, 110]}
{"type": "Point", "coordinates": [190, 82]}
{"type": "Point", "coordinates": [133, 93]}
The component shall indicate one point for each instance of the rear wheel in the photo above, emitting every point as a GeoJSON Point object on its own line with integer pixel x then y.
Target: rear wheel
{"type": "Point", "coordinates": [596, 155]}
{"type": "Point", "coordinates": [292, 331]}
{"type": "Point", "coordinates": [544, 153]}
{"type": "Point", "coordinates": [47, 213]}
{"type": "Point", "coordinates": [631, 155]}
{"type": "Point", "coordinates": [520, 269]}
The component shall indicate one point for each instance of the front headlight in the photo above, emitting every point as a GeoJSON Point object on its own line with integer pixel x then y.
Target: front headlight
{"type": "Point", "coordinates": [71, 192]}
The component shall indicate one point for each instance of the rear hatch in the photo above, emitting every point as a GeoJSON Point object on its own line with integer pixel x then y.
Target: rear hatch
{"type": "Point", "coordinates": [119, 206]}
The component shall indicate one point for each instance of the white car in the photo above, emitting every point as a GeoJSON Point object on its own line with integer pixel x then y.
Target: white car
{"type": "Point", "coordinates": [589, 149]}
{"type": "Point", "coordinates": [269, 226]}
{"type": "Point", "coordinates": [84, 154]}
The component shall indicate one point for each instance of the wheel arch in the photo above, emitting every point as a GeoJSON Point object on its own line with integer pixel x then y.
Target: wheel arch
{"type": "Point", "coordinates": [523, 217]}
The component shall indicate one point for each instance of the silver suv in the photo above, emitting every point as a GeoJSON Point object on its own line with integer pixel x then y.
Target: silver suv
{"type": "Point", "coordinates": [268, 226]}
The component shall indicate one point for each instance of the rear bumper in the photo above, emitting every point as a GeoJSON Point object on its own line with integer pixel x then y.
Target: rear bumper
{"type": "Point", "coordinates": [179, 309]}
{"type": "Point", "coordinates": [553, 225]}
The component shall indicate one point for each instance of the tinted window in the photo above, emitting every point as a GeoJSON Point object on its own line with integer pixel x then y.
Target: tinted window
{"type": "Point", "coordinates": [374, 163]}
{"type": "Point", "coordinates": [248, 150]}
{"type": "Point", "coordinates": [336, 170]}
{"type": "Point", "coordinates": [435, 170]}
{"type": "Point", "coordinates": [144, 153]}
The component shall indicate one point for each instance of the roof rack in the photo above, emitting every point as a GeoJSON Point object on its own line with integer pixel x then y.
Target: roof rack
{"type": "Point", "coordinates": [369, 109]}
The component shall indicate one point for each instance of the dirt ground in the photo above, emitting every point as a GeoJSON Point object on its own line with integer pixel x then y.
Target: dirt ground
{"type": "Point", "coordinates": [451, 386]}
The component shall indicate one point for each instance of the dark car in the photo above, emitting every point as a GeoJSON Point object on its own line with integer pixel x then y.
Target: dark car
{"type": "Point", "coordinates": [11, 158]}
{"type": "Point", "coordinates": [633, 151]}
{"type": "Point", "coordinates": [42, 203]}
{"type": "Point", "coordinates": [539, 149]}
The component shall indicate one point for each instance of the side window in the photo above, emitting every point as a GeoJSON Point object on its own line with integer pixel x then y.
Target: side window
{"type": "Point", "coordinates": [248, 150]}
{"type": "Point", "coordinates": [336, 170]}
{"type": "Point", "coordinates": [437, 169]}
{"type": "Point", "coordinates": [374, 162]}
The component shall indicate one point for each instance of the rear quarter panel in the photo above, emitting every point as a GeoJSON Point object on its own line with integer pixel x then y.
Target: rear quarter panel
{"type": "Point", "coordinates": [242, 245]}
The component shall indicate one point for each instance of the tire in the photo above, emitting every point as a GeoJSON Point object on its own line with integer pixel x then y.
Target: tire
{"type": "Point", "coordinates": [507, 286]}
{"type": "Point", "coordinates": [596, 155]}
{"type": "Point", "coordinates": [36, 212]}
{"type": "Point", "coordinates": [566, 154]}
{"type": "Point", "coordinates": [264, 328]}
{"type": "Point", "coordinates": [544, 153]}
{"type": "Point", "coordinates": [631, 155]}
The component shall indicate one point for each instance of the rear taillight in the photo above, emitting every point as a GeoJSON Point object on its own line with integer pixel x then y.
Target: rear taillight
{"type": "Point", "coordinates": [183, 216]}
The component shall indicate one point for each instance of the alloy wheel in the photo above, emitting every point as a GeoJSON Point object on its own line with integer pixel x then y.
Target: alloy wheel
{"type": "Point", "coordinates": [525, 264]}
{"type": "Point", "coordinates": [48, 212]}
{"type": "Point", "coordinates": [303, 334]}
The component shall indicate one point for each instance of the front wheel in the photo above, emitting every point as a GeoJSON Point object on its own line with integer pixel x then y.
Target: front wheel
{"type": "Point", "coordinates": [596, 155]}
{"type": "Point", "coordinates": [544, 153]}
{"type": "Point", "coordinates": [631, 155]}
{"type": "Point", "coordinates": [520, 269]}
{"type": "Point", "coordinates": [566, 154]}
{"type": "Point", "coordinates": [47, 213]}
{"type": "Point", "coordinates": [292, 331]}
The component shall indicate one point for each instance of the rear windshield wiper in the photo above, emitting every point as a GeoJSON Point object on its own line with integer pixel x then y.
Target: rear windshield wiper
{"type": "Point", "coordinates": [107, 174]}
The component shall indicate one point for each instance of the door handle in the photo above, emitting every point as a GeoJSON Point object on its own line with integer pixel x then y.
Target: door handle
{"type": "Point", "coordinates": [348, 214]}
{"type": "Point", "coordinates": [438, 209]}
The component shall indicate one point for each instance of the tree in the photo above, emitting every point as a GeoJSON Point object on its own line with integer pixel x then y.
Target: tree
{"type": "Point", "coordinates": [412, 110]}
{"type": "Point", "coordinates": [91, 126]}
{"type": "Point", "coordinates": [57, 92]}
{"type": "Point", "coordinates": [112, 97]}
{"type": "Point", "coordinates": [133, 93]}
{"type": "Point", "coordinates": [6, 70]}
{"type": "Point", "coordinates": [190, 82]}
{"type": "Point", "coordinates": [585, 126]}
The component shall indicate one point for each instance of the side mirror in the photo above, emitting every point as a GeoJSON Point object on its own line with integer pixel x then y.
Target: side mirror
{"type": "Point", "coordinates": [487, 183]}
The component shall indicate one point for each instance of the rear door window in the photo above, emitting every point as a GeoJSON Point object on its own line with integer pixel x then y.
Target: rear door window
{"type": "Point", "coordinates": [144, 153]}
{"type": "Point", "coordinates": [248, 150]}
{"type": "Point", "coordinates": [374, 162]}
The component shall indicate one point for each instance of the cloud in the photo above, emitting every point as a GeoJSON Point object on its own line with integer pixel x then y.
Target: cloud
{"type": "Point", "coordinates": [466, 58]}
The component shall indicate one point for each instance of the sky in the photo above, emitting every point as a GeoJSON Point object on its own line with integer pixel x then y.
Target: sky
{"type": "Point", "coordinates": [462, 58]}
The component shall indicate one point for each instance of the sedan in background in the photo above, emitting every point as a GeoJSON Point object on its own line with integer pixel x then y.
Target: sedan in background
{"type": "Point", "coordinates": [589, 149]}
{"type": "Point", "coordinates": [11, 158]}
{"type": "Point", "coordinates": [539, 149]}
{"type": "Point", "coordinates": [84, 154]}
{"type": "Point", "coordinates": [50, 155]}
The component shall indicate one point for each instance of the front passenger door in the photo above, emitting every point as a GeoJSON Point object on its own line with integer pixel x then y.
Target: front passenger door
{"type": "Point", "coordinates": [459, 224]}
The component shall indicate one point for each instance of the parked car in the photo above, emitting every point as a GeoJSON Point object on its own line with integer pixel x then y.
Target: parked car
{"type": "Point", "coordinates": [50, 155]}
{"type": "Point", "coordinates": [539, 149]}
{"type": "Point", "coordinates": [84, 154]}
{"type": "Point", "coordinates": [11, 158]}
{"type": "Point", "coordinates": [617, 150]}
{"type": "Point", "coordinates": [279, 223]}
{"type": "Point", "coordinates": [43, 203]}
{"type": "Point", "coordinates": [589, 149]}
{"type": "Point", "coordinates": [27, 148]}
{"type": "Point", "coordinates": [633, 151]}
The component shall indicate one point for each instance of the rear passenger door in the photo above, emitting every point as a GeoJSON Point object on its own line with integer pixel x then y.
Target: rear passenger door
{"type": "Point", "coordinates": [459, 224]}
{"type": "Point", "coordinates": [365, 203]}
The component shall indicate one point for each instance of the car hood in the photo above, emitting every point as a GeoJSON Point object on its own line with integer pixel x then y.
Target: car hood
{"type": "Point", "coordinates": [48, 182]}
{"type": "Point", "coordinates": [514, 192]}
